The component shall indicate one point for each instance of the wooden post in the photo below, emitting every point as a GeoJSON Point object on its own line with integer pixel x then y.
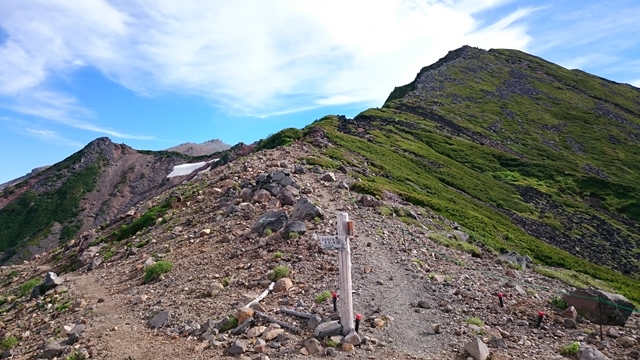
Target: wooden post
{"type": "Point", "coordinates": [344, 257]}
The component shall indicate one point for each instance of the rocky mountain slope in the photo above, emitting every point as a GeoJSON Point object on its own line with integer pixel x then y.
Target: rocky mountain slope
{"type": "Point", "coordinates": [205, 148]}
{"type": "Point", "coordinates": [92, 187]}
{"type": "Point", "coordinates": [418, 298]}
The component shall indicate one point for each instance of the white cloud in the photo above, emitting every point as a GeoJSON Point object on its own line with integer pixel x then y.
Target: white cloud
{"type": "Point", "coordinates": [245, 56]}
{"type": "Point", "coordinates": [53, 137]}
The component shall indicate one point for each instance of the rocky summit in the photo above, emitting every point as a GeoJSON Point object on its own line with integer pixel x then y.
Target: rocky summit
{"type": "Point", "coordinates": [475, 220]}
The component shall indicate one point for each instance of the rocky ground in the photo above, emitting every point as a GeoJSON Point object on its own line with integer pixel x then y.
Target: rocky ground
{"type": "Point", "coordinates": [224, 237]}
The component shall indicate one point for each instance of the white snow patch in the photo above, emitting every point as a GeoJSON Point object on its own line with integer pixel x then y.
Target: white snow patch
{"type": "Point", "coordinates": [186, 169]}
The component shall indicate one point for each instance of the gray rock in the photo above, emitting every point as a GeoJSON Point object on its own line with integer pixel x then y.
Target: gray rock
{"type": "Point", "coordinates": [634, 354]}
{"type": "Point", "coordinates": [600, 307]}
{"type": "Point", "coordinates": [299, 169]}
{"type": "Point", "coordinates": [261, 196]}
{"type": "Point", "coordinates": [590, 353]}
{"type": "Point", "coordinates": [159, 320]}
{"type": "Point", "coordinates": [570, 324]}
{"type": "Point", "coordinates": [306, 210]}
{"type": "Point", "coordinates": [52, 280]}
{"type": "Point", "coordinates": [287, 198]}
{"type": "Point", "coordinates": [298, 227]}
{"type": "Point", "coordinates": [243, 327]}
{"type": "Point", "coordinates": [424, 304]}
{"type": "Point", "coordinates": [95, 262]}
{"type": "Point", "coordinates": [313, 322]}
{"type": "Point", "coordinates": [329, 177]}
{"type": "Point", "coordinates": [627, 342]}
{"type": "Point", "coordinates": [277, 176]}
{"type": "Point", "coordinates": [497, 342]}
{"type": "Point", "coordinates": [515, 258]}
{"type": "Point", "coordinates": [52, 350]}
{"type": "Point", "coordinates": [246, 194]}
{"type": "Point", "coordinates": [8, 354]}
{"type": "Point", "coordinates": [477, 349]}
{"type": "Point", "coordinates": [286, 181]}
{"type": "Point", "coordinates": [329, 328]}
{"type": "Point", "coordinates": [343, 185]}
{"type": "Point", "coordinates": [313, 346]}
{"type": "Point", "coordinates": [369, 201]}
{"type": "Point", "coordinates": [352, 338]}
{"type": "Point", "coordinates": [238, 347]}
{"type": "Point", "coordinates": [272, 220]}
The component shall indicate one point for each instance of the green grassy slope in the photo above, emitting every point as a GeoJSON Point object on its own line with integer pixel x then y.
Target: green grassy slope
{"type": "Point", "coordinates": [526, 155]}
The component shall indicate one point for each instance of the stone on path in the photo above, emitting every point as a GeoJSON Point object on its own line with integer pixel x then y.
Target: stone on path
{"type": "Point", "coordinates": [313, 346]}
{"type": "Point", "coordinates": [159, 320]}
{"type": "Point", "coordinates": [238, 347]}
{"type": "Point", "coordinates": [282, 285]}
{"type": "Point", "coordinates": [243, 314]}
{"type": "Point", "coordinates": [477, 349]}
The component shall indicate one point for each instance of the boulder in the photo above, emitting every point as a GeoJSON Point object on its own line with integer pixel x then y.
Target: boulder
{"type": "Point", "coordinates": [287, 198]}
{"type": "Point", "coordinates": [261, 196]}
{"type": "Point", "coordinates": [298, 227]}
{"type": "Point", "coordinates": [326, 329]}
{"type": "Point", "coordinates": [329, 177]}
{"type": "Point", "coordinates": [272, 220]}
{"type": "Point", "coordinates": [369, 201]}
{"type": "Point", "coordinates": [477, 349]}
{"type": "Point", "coordinates": [590, 353]}
{"type": "Point", "coordinates": [159, 320]}
{"type": "Point", "coordinates": [600, 307]}
{"type": "Point", "coordinates": [306, 210]}
{"type": "Point", "coordinates": [246, 194]}
{"type": "Point", "coordinates": [515, 258]}
{"type": "Point", "coordinates": [52, 280]}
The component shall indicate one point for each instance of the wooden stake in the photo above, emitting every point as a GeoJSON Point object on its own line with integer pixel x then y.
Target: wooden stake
{"type": "Point", "coordinates": [344, 257]}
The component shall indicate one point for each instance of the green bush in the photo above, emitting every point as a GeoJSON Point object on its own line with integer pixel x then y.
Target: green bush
{"type": "Point", "coordinates": [323, 296]}
{"type": "Point", "coordinates": [558, 302]}
{"type": "Point", "coordinates": [570, 349]}
{"type": "Point", "coordinates": [154, 271]}
{"type": "Point", "coordinates": [280, 272]}
{"type": "Point", "coordinates": [475, 321]}
{"type": "Point", "coordinates": [26, 288]}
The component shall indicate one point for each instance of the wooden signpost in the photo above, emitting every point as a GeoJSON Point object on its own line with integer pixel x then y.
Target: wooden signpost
{"type": "Point", "coordinates": [340, 242]}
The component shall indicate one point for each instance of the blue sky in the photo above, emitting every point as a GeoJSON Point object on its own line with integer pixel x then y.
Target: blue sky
{"type": "Point", "coordinates": [153, 74]}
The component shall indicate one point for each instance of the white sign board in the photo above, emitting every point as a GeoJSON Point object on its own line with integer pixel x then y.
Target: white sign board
{"type": "Point", "coordinates": [333, 242]}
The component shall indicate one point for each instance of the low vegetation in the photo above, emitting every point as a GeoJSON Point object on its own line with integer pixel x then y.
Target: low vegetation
{"type": "Point", "coordinates": [154, 271]}
{"type": "Point", "coordinates": [570, 349]}
{"type": "Point", "coordinates": [26, 288]}
{"type": "Point", "coordinates": [323, 296]}
{"type": "Point", "coordinates": [8, 342]}
{"type": "Point", "coordinates": [280, 272]}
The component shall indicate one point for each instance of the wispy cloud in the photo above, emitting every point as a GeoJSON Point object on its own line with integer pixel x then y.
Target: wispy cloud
{"type": "Point", "coordinates": [53, 137]}
{"type": "Point", "coordinates": [245, 56]}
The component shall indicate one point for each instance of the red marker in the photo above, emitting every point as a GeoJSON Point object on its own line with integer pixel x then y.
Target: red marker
{"type": "Point", "coordinates": [335, 301]}
{"type": "Point", "coordinates": [358, 318]}
{"type": "Point", "coordinates": [539, 320]}
{"type": "Point", "coordinates": [500, 298]}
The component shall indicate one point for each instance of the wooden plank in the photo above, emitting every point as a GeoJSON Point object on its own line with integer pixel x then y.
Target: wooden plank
{"type": "Point", "coordinates": [296, 313]}
{"type": "Point", "coordinates": [346, 296]}
{"type": "Point", "coordinates": [292, 328]}
{"type": "Point", "coordinates": [262, 296]}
